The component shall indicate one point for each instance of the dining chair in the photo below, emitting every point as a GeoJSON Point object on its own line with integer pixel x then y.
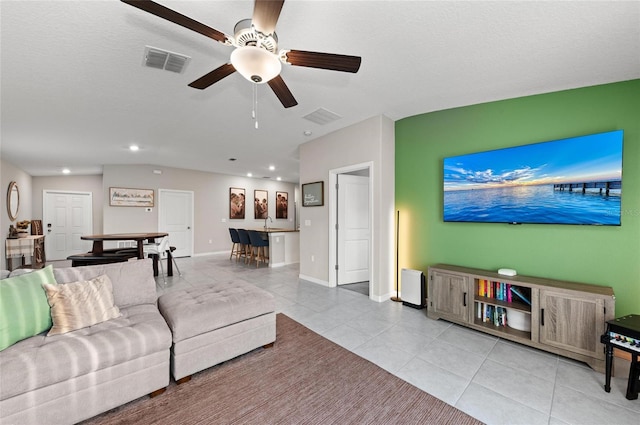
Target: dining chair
{"type": "Point", "coordinates": [236, 244]}
{"type": "Point", "coordinates": [161, 249]}
{"type": "Point", "coordinates": [246, 249]}
{"type": "Point", "coordinates": [260, 245]}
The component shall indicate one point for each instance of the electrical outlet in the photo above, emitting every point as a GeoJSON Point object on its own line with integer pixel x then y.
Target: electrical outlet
{"type": "Point", "coordinates": [313, 258]}
{"type": "Point", "coordinates": [224, 220]}
{"type": "Point", "coordinates": [307, 222]}
{"type": "Point", "coordinates": [210, 240]}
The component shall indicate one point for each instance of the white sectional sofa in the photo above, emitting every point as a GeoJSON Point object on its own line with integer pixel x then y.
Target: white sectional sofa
{"type": "Point", "coordinates": [64, 379]}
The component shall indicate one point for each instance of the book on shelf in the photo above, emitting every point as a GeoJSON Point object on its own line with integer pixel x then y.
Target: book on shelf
{"type": "Point", "coordinates": [491, 314]}
{"type": "Point", "coordinates": [495, 290]}
{"type": "Point", "coordinates": [520, 294]}
{"type": "Point", "coordinates": [481, 287]}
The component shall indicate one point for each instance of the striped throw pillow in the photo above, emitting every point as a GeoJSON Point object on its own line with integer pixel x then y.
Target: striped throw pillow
{"type": "Point", "coordinates": [24, 311]}
{"type": "Point", "coordinates": [77, 305]}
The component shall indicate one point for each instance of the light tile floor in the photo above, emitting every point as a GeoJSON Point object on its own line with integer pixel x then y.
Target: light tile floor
{"type": "Point", "coordinates": [496, 381]}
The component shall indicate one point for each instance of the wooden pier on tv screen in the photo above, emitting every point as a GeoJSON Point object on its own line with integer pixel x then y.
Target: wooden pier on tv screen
{"type": "Point", "coordinates": [604, 186]}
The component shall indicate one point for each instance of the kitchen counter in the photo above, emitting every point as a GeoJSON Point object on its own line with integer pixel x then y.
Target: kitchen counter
{"type": "Point", "coordinates": [284, 245]}
{"type": "Point", "coordinates": [274, 230]}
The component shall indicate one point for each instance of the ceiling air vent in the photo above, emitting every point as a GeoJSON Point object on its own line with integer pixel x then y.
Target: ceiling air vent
{"type": "Point", "coordinates": [162, 59]}
{"type": "Point", "coordinates": [322, 116]}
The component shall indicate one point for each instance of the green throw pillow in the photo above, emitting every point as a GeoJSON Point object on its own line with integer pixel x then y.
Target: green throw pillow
{"type": "Point", "coordinates": [24, 310]}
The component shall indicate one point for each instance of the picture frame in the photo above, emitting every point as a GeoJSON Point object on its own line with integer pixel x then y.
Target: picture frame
{"type": "Point", "coordinates": [313, 194]}
{"type": "Point", "coordinates": [130, 197]}
{"type": "Point", "coordinates": [237, 203]}
{"type": "Point", "coordinates": [260, 204]}
{"type": "Point", "coordinates": [282, 205]}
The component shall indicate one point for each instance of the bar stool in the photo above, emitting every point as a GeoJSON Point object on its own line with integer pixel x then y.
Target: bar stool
{"type": "Point", "coordinates": [245, 245]}
{"type": "Point", "coordinates": [236, 245]}
{"type": "Point", "coordinates": [259, 244]}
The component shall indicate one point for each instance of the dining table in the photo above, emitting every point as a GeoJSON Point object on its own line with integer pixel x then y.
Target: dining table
{"type": "Point", "coordinates": [139, 238]}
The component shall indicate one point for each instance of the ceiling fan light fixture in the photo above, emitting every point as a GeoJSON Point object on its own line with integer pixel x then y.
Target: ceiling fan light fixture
{"type": "Point", "coordinates": [256, 64]}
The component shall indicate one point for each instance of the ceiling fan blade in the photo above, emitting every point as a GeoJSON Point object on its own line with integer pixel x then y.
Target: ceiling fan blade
{"type": "Point", "coordinates": [213, 77]}
{"type": "Point", "coordinates": [282, 91]}
{"type": "Point", "coordinates": [265, 15]}
{"type": "Point", "coordinates": [329, 61]}
{"type": "Point", "coordinates": [177, 18]}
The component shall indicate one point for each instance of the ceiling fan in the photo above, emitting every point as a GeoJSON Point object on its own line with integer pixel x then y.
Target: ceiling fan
{"type": "Point", "coordinates": [255, 43]}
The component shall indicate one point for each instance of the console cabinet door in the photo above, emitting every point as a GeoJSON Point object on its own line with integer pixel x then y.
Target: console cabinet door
{"type": "Point", "coordinates": [572, 322]}
{"type": "Point", "coordinates": [449, 296]}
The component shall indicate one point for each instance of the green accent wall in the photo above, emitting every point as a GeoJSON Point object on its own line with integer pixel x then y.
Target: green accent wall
{"type": "Point", "coordinates": [608, 255]}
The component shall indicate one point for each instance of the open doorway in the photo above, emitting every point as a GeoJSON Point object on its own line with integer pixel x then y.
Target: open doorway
{"type": "Point", "coordinates": [350, 239]}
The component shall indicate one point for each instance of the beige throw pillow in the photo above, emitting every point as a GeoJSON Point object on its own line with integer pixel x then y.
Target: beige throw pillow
{"type": "Point", "coordinates": [80, 304]}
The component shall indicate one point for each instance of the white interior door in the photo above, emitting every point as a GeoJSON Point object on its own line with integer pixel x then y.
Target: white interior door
{"type": "Point", "coordinates": [66, 217]}
{"type": "Point", "coordinates": [175, 216]}
{"type": "Point", "coordinates": [354, 235]}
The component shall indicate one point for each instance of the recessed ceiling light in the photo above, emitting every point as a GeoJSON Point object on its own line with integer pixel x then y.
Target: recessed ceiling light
{"type": "Point", "coordinates": [249, 175]}
{"type": "Point", "coordinates": [272, 167]}
{"type": "Point", "coordinates": [307, 132]}
{"type": "Point", "coordinates": [134, 148]}
{"type": "Point", "coordinates": [278, 178]}
{"type": "Point", "coordinates": [66, 171]}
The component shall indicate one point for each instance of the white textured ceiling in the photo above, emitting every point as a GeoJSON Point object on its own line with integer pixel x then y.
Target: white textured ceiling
{"type": "Point", "coordinates": [75, 94]}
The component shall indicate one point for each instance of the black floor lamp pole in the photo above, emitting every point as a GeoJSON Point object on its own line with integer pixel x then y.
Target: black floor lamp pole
{"type": "Point", "coordinates": [397, 297]}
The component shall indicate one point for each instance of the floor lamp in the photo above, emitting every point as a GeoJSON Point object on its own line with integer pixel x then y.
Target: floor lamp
{"type": "Point", "coordinates": [397, 297]}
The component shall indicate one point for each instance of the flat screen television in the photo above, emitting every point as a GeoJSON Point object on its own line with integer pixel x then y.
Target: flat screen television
{"type": "Point", "coordinates": [568, 181]}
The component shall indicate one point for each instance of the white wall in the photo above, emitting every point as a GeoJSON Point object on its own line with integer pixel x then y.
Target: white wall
{"type": "Point", "coordinates": [369, 141]}
{"type": "Point", "coordinates": [69, 183]}
{"type": "Point", "coordinates": [9, 173]}
{"type": "Point", "coordinates": [211, 202]}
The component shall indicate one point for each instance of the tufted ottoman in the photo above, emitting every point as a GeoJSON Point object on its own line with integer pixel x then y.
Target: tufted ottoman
{"type": "Point", "coordinates": [216, 322]}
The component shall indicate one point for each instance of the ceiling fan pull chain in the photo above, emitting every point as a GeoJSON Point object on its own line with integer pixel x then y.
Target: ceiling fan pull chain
{"type": "Point", "coordinates": [255, 104]}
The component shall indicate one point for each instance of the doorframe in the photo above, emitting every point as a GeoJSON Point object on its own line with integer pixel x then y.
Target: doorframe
{"type": "Point", "coordinates": [333, 220]}
{"type": "Point", "coordinates": [161, 212]}
{"type": "Point", "coordinates": [46, 192]}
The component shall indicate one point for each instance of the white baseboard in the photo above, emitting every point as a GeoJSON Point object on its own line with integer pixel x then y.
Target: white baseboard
{"type": "Point", "coordinates": [381, 298]}
{"type": "Point", "coordinates": [314, 280]}
{"type": "Point", "coordinates": [204, 254]}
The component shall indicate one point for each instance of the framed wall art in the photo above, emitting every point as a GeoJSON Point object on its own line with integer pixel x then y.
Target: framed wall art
{"type": "Point", "coordinates": [313, 194]}
{"type": "Point", "coordinates": [282, 204]}
{"type": "Point", "coordinates": [127, 197]}
{"type": "Point", "coordinates": [237, 203]}
{"type": "Point", "coordinates": [260, 204]}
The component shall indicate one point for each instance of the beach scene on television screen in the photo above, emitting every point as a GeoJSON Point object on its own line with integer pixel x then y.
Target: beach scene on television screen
{"type": "Point", "coordinates": [569, 181]}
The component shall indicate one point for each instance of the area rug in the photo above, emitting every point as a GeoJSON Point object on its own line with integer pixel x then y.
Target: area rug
{"type": "Point", "coordinates": [303, 379]}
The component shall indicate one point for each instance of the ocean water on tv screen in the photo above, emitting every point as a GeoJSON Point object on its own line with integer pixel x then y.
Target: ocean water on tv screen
{"type": "Point", "coordinates": [532, 204]}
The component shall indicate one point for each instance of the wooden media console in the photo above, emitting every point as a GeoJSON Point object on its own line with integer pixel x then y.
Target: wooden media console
{"type": "Point", "coordinates": [561, 317]}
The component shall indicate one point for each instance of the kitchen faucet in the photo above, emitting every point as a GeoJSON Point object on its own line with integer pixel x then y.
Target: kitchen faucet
{"type": "Point", "coordinates": [265, 222]}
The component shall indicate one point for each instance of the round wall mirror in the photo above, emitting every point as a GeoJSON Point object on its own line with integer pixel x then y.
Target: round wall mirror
{"type": "Point", "coordinates": [13, 201]}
